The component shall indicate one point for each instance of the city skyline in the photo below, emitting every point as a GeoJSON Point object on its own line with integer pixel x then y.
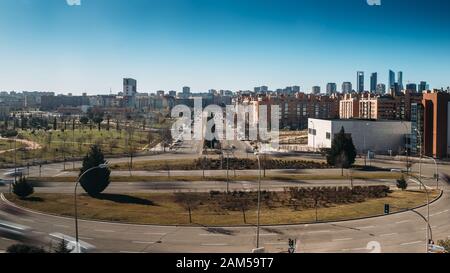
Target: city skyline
{"type": "Point", "coordinates": [231, 45]}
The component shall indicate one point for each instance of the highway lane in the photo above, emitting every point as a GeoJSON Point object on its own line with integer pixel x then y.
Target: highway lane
{"type": "Point", "coordinates": [404, 232]}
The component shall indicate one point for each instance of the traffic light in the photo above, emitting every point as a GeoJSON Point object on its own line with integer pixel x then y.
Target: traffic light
{"type": "Point", "coordinates": [387, 209]}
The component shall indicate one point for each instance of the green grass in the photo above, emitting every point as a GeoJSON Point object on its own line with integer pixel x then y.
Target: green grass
{"type": "Point", "coordinates": [161, 208]}
{"type": "Point", "coordinates": [57, 145]}
{"type": "Point", "coordinates": [287, 177]}
{"type": "Point", "coordinates": [8, 145]}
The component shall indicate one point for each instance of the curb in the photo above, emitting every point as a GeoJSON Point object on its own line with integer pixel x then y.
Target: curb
{"type": "Point", "coordinates": [3, 198]}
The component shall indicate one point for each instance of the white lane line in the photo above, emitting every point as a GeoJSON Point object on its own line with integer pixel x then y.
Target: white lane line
{"type": "Point", "coordinates": [143, 243]}
{"type": "Point", "coordinates": [439, 213]}
{"type": "Point", "coordinates": [212, 235]}
{"type": "Point", "coordinates": [62, 226]}
{"type": "Point", "coordinates": [130, 252]}
{"type": "Point", "coordinates": [388, 234]}
{"type": "Point", "coordinates": [104, 230]}
{"type": "Point", "coordinates": [365, 227]}
{"type": "Point", "coordinates": [342, 239]}
{"type": "Point", "coordinates": [214, 244]}
{"type": "Point", "coordinates": [411, 243]}
{"type": "Point", "coordinates": [354, 249]}
{"type": "Point", "coordinates": [275, 244]}
{"type": "Point", "coordinates": [402, 222]}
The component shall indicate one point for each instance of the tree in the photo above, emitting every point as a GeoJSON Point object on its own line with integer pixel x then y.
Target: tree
{"type": "Point", "coordinates": [343, 152]}
{"type": "Point", "coordinates": [402, 184]}
{"type": "Point", "coordinates": [22, 188]}
{"type": "Point", "coordinates": [188, 201]}
{"type": "Point", "coordinates": [84, 120]}
{"type": "Point", "coordinates": [24, 249]}
{"type": "Point", "coordinates": [63, 247]}
{"type": "Point", "coordinates": [97, 180]}
{"type": "Point", "coordinates": [55, 124]}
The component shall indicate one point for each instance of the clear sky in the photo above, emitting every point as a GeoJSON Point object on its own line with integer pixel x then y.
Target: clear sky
{"type": "Point", "coordinates": [220, 44]}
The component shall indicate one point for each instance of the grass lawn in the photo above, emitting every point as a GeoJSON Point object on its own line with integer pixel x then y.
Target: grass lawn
{"type": "Point", "coordinates": [8, 145]}
{"type": "Point", "coordinates": [287, 177]}
{"type": "Point", "coordinates": [57, 145]}
{"type": "Point", "coordinates": [161, 208]}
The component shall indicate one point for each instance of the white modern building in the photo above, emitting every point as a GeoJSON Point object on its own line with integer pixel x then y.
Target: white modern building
{"type": "Point", "coordinates": [381, 136]}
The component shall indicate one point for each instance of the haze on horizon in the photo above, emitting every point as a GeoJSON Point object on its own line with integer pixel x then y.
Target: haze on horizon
{"type": "Point", "coordinates": [48, 45]}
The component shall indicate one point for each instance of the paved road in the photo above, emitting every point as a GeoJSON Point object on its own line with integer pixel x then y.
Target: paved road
{"type": "Point", "coordinates": [403, 232]}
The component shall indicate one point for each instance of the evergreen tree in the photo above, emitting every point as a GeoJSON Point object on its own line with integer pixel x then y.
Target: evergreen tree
{"type": "Point", "coordinates": [343, 152]}
{"type": "Point", "coordinates": [97, 180]}
{"type": "Point", "coordinates": [402, 184]}
{"type": "Point", "coordinates": [22, 188]}
{"type": "Point", "coordinates": [63, 247]}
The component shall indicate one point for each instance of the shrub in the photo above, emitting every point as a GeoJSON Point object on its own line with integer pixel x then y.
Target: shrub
{"type": "Point", "coordinates": [24, 249]}
{"type": "Point", "coordinates": [22, 188]}
{"type": "Point", "coordinates": [402, 184]}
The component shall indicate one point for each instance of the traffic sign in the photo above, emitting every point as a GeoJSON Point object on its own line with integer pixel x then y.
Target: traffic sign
{"type": "Point", "coordinates": [387, 209]}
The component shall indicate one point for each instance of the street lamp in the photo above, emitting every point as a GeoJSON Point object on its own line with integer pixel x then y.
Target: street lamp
{"type": "Point", "coordinates": [101, 166]}
{"type": "Point", "coordinates": [436, 170]}
{"type": "Point", "coordinates": [428, 227]}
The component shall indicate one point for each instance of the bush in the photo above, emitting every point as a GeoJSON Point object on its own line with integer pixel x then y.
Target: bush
{"type": "Point", "coordinates": [402, 184]}
{"type": "Point", "coordinates": [24, 249]}
{"type": "Point", "coordinates": [22, 188]}
{"type": "Point", "coordinates": [8, 133]}
{"type": "Point", "coordinates": [63, 247]}
{"type": "Point", "coordinates": [97, 180]}
{"type": "Point", "coordinates": [445, 244]}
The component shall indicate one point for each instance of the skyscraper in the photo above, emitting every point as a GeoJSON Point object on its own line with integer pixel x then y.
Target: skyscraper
{"type": "Point", "coordinates": [400, 80]}
{"type": "Point", "coordinates": [373, 82]}
{"type": "Point", "coordinates": [391, 79]}
{"type": "Point", "coordinates": [129, 87]}
{"type": "Point", "coordinates": [422, 86]}
{"type": "Point", "coordinates": [331, 88]}
{"type": "Point", "coordinates": [316, 90]}
{"type": "Point", "coordinates": [411, 87]}
{"type": "Point", "coordinates": [360, 81]}
{"type": "Point", "coordinates": [347, 87]}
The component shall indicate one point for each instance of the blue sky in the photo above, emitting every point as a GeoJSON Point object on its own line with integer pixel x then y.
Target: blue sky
{"type": "Point", "coordinates": [220, 44]}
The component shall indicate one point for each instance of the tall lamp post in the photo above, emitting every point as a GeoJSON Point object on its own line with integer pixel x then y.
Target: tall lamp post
{"type": "Point", "coordinates": [259, 201]}
{"type": "Point", "coordinates": [436, 175]}
{"type": "Point", "coordinates": [428, 227]}
{"type": "Point", "coordinates": [101, 166]}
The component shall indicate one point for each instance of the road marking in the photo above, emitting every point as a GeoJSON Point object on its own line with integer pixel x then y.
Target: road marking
{"type": "Point", "coordinates": [214, 244]}
{"type": "Point", "coordinates": [211, 234]}
{"type": "Point", "coordinates": [28, 220]}
{"type": "Point", "coordinates": [157, 234]}
{"type": "Point", "coordinates": [86, 238]}
{"type": "Point", "coordinates": [104, 230]}
{"type": "Point", "coordinates": [131, 252]}
{"type": "Point", "coordinates": [63, 226]}
{"type": "Point", "coordinates": [343, 239]}
{"type": "Point", "coordinates": [319, 231]}
{"type": "Point", "coordinates": [142, 242]}
{"type": "Point", "coordinates": [402, 222]}
{"type": "Point", "coordinates": [439, 213]}
{"type": "Point", "coordinates": [354, 249]}
{"type": "Point", "coordinates": [38, 232]}
{"type": "Point", "coordinates": [365, 227]}
{"type": "Point", "coordinates": [275, 244]}
{"type": "Point", "coordinates": [411, 243]}
{"type": "Point", "coordinates": [388, 234]}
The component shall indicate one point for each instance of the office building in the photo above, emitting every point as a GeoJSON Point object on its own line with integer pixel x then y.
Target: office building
{"type": "Point", "coordinates": [373, 82]}
{"type": "Point", "coordinates": [347, 88]}
{"type": "Point", "coordinates": [391, 79]}
{"type": "Point", "coordinates": [331, 88]}
{"type": "Point", "coordinates": [400, 80]}
{"type": "Point", "coordinates": [423, 86]}
{"type": "Point", "coordinates": [316, 90]}
{"type": "Point", "coordinates": [411, 87]}
{"type": "Point", "coordinates": [360, 81]}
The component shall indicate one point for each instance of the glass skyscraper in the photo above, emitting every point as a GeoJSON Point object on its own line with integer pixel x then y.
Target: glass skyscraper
{"type": "Point", "coordinates": [360, 81]}
{"type": "Point", "coordinates": [373, 82]}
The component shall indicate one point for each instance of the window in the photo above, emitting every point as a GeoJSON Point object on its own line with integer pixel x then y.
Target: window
{"type": "Point", "coordinates": [328, 135]}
